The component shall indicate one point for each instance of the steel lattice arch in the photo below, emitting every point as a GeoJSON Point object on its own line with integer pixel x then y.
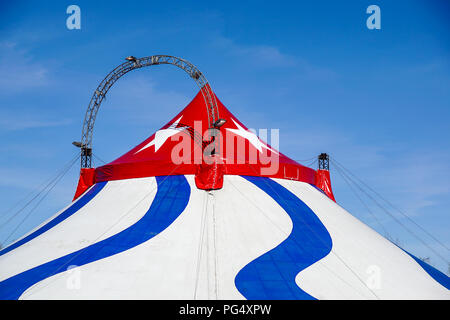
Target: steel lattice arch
{"type": "Point", "coordinates": [133, 63]}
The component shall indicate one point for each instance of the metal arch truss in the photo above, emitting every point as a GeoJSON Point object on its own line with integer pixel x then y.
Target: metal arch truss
{"type": "Point", "coordinates": [132, 64]}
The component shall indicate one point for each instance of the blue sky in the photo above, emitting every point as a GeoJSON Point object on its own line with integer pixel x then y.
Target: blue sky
{"type": "Point", "coordinates": [377, 100]}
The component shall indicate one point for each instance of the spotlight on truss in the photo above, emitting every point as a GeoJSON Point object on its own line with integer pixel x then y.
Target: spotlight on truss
{"type": "Point", "coordinates": [219, 123]}
{"type": "Point", "coordinates": [77, 144]}
{"type": "Point", "coordinates": [131, 58]}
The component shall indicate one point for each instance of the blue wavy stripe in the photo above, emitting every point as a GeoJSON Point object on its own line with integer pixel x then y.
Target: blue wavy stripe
{"type": "Point", "coordinates": [272, 275]}
{"type": "Point", "coordinates": [170, 200]}
{"type": "Point", "coordinates": [438, 276]}
{"type": "Point", "coordinates": [60, 218]}
{"type": "Point", "coordinates": [316, 187]}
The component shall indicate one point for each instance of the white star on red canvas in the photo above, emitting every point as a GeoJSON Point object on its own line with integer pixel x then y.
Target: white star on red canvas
{"type": "Point", "coordinates": [251, 137]}
{"type": "Point", "coordinates": [162, 135]}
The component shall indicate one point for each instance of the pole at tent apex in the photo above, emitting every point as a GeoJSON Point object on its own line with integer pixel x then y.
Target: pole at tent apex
{"type": "Point", "coordinates": [324, 161]}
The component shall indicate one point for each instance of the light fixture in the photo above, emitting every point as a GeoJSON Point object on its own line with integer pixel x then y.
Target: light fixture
{"type": "Point", "coordinates": [131, 58]}
{"type": "Point", "coordinates": [196, 75]}
{"type": "Point", "coordinates": [77, 144]}
{"type": "Point", "coordinates": [219, 123]}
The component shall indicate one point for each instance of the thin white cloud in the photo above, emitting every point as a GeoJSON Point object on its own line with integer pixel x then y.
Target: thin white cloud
{"type": "Point", "coordinates": [437, 64]}
{"type": "Point", "coordinates": [18, 69]}
{"type": "Point", "coordinates": [266, 56]}
{"type": "Point", "coordinates": [15, 123]}
{"type": "Point", "coordinates": [412, 180]}
{"type": "Point", "coordinates": [263, 55]}
{"type": "Point", "coordinates": [141, 102]}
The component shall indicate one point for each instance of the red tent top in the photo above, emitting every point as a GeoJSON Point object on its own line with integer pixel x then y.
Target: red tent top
{"type": "Point", "coordinates": [175, 149]}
